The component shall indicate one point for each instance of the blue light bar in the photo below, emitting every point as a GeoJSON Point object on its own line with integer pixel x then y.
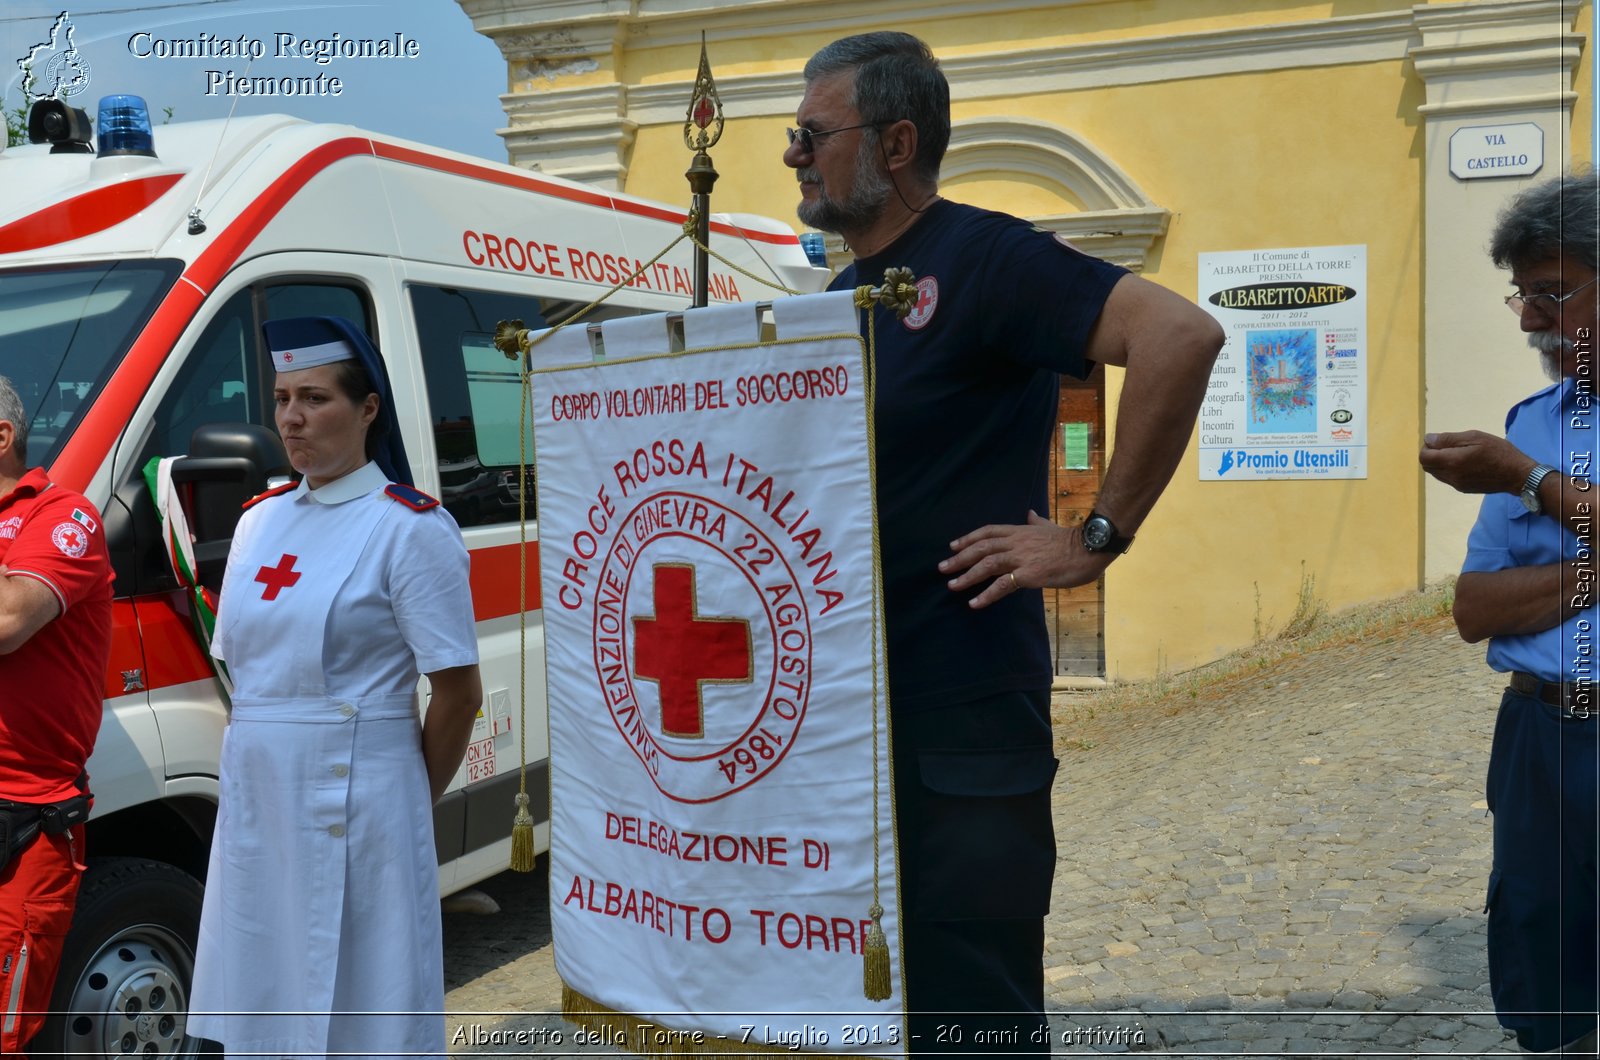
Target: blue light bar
{"type": "Point", "coordinates": [124, 126]}
{"type": "Point", "coordinates": [816, 250]}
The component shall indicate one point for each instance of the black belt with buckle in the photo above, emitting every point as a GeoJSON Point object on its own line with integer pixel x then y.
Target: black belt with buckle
{"type": "Point", "coordinates": [1575, 698]}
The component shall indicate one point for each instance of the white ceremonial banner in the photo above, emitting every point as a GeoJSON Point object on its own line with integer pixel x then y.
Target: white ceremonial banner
{"type": "Point", "coordinates": [717, 769]}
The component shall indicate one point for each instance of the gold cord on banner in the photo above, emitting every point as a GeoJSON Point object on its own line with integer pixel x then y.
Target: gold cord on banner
{"type": "Point", "coordinates": [522, 855]}
{"type": "Point", "coordinates": [898, 294]}
{"type": "Point", "coordinates": [691, 226]}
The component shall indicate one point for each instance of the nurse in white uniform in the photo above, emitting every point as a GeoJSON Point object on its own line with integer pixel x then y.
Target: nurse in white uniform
{"type": "Point", "coordinates": [320, 931]}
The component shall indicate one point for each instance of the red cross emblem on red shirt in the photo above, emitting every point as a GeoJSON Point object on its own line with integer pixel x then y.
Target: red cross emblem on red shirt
{"type": "Point", "coordinates": [276, 579]}
{"type": "Point", "coordinates": [681, 651]}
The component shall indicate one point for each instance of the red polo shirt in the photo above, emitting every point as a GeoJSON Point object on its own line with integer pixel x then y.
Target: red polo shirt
{"type": "Point", "coordinates": [51, 688]}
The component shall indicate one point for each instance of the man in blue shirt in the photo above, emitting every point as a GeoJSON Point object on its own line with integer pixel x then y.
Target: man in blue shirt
{"type": "Point", "coordinates": [967, 391]}
{"type": "Point", "coordinates": [1528, 584]}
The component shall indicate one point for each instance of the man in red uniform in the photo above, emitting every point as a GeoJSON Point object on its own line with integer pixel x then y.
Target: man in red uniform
{"type": "Point", "coordinates": [55, 641]}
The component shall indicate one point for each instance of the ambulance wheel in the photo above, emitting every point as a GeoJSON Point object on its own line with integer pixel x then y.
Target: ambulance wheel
{"type": "Point", "coordinates": [123, 985]}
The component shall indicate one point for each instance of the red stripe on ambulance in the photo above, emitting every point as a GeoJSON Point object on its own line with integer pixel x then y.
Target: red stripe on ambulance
{"type": "Point", "coordinates": [127, 650]}
{"type": "Point", "coordinates": [561, 191]}
{"type": "Point", "coordinates": [153, 645]}
{"type": "Point", "coordinates": [171, 651]}
{"type": "Point", "coordinates": [84, 215]}
{"type": "Point", "coordinates": [494, 581]}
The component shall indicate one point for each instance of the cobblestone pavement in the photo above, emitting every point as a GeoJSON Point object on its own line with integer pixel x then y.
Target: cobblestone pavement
{"type": "Point", "coordinates": [1289, 862]}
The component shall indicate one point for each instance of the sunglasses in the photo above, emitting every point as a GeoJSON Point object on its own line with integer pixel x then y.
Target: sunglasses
{"type": "Point", "coordinates": [807, 138]}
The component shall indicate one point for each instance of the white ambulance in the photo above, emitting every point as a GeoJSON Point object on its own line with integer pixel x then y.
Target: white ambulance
{"type": "Point", "coordinates": [133, 285]}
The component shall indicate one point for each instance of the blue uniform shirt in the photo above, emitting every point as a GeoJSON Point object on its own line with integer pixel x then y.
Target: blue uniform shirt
{"type": "Point", "coordinates": [1508, 535]}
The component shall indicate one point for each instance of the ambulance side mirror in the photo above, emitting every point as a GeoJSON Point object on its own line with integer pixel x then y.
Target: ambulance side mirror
{"type": "Point", "coordinates": [228, 463]}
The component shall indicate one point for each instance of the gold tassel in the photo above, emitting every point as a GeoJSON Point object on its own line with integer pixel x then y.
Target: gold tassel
{"type": "Point", "coordinates": [522, 836]}
{"type": "Point", "coordinates": [875, 959]}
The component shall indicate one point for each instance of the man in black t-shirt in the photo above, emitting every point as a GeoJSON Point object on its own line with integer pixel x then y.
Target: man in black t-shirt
{"type": "Point", "coordinates": [966, 401]}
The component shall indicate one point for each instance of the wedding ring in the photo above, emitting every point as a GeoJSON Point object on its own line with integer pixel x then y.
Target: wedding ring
{"type": "Point", "coordinates": [1014, 585]}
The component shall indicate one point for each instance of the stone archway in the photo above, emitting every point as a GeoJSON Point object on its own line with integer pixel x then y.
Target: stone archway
{"type": "Point", "coordinates": [1116, 221]}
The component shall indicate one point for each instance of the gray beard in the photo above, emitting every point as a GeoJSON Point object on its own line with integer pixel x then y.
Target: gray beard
{"type": "Point", "coordinates": [1552, 347]}
{"type": "Point", "coordinates": [867, 198]}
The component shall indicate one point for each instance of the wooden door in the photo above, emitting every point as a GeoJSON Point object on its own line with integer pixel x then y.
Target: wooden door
{"type": "Point", "coordinates": [1076, 617]}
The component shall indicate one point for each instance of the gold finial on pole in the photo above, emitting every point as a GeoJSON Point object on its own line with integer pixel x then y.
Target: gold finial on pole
{"type": "Point", "coordinates": [511, 338]}
{"type": "Point", "coordinates": [702, 128]}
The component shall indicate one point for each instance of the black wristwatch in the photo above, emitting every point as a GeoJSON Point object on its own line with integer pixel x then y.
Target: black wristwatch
{"type": "Point", "coordinates": [1100, 535]}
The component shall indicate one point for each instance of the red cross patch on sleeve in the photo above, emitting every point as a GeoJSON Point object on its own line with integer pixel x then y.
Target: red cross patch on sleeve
{"type": "Point", "coordinates": [411, 497]}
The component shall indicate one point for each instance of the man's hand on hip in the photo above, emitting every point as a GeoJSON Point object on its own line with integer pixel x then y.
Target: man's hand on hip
{"type": "Point", "coordinates": [1035, 555]}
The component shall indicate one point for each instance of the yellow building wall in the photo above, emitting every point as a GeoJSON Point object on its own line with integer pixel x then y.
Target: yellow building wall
{"type": "Point", "coordinates": [1285, 158]}
{"type": "Point", "coordinates": [1319, 157]}
{"type": "Point", "coordinates": [1583, 146]}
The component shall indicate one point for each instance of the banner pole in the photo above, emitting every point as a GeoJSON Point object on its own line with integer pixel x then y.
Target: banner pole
{"type": "Point", "coordinates": [702, 128]}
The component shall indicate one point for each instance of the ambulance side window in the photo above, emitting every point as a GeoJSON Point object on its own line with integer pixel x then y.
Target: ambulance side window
{"type": "Point", "coordinates": [474, 394]}
{"type": "Point", "coordinates": [220, 382]}
{"type": "Point", "coordinates": [318, 300]}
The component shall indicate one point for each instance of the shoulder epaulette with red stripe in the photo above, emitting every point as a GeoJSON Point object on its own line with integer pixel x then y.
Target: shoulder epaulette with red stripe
{"type": "Point", "coordinates": [273, 492]}
{"type": "Point", "coordinates": [411, 497]}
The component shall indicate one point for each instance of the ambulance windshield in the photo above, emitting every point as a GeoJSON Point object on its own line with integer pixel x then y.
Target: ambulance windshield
{"type": "Point", "coordinates": [63, 331]}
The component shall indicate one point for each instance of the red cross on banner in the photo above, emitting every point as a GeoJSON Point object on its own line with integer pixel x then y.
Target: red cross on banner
{"type": "Point", "coordinates": [276, 579]}
{"type": "Point", "coordinates": [681, 651]}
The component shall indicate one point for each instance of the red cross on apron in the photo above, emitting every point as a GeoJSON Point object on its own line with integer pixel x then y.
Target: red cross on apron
{"type": "Point", "coordinates": [276, 579]}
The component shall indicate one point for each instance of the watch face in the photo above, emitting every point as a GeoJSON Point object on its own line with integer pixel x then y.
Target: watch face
{"type": "Point", "coordinates": [1096, 533]}
{"type": "Point", "coordinates": [1530, 489]}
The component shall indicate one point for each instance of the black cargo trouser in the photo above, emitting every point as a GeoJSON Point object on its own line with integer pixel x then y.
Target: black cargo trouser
{"type": "Point", "coordinates": [976, 849]}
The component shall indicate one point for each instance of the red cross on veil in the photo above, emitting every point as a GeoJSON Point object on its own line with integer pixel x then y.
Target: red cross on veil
{"type": "Point", "coordinates": [681, 651]}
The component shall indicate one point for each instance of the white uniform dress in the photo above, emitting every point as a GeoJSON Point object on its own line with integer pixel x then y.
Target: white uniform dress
{"type": "Point", "coordinates": [322, 897]}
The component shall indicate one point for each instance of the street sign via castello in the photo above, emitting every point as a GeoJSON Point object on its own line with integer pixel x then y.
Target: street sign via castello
{"type": "Point", "coordinates": [1515, 149]}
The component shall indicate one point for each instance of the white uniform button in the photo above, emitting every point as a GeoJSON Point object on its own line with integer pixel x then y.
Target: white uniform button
{"type": "Point", "coordinates": [346, 709]}
{"type": "Point", "coordinates": [341, 771]}
{"type": "Point", "coordinates": [336, 831]}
